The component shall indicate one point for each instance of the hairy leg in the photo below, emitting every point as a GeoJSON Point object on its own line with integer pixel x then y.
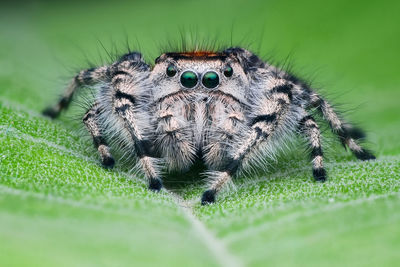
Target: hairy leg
{"type": "Point", "coordinates": [309, 128]}
{"type": "Point", "coordinates": [134, 120]}
{"type": "Point", "coordinates": [90, 120]}
{"type": "Point", "coordinates": [349, 135]}
{"type": "Point", "coordinates": [84, 78]}
{"type": "Point", "coordinates": [269, 117]}
{"type": "Point", "coordinates": [131, 63]}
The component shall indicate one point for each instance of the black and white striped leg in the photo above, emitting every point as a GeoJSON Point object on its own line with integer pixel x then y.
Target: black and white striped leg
{"type": "Point", "coordinates": [84, 78]}
{"type": "Point", "coordinates": [124, 108]}
{"type": "Point", "coordinates": [131, 62]}
{"type": "Point", "coordinates": [222, 178]}
{"type": "Point", "coordinates": [90, 120]}
{"type": "Point", "coordinates": [219, 180]}
{"type": "Point", "coordinates": [349, 135]}
{"type": "Point", "coordinates": [272, 114]}
{"type": "Point", "coordinates": [312, 133]}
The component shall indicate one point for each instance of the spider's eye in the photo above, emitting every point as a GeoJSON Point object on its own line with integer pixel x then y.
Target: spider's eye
{"type": "Point", "coordinates": [171, 70]}
{"type": "Point", "coordinates": [210, 79]}
{"type": "Point", "coordinates": [189, 79]}
{"type": "Point", "coordinates": [228, 71]}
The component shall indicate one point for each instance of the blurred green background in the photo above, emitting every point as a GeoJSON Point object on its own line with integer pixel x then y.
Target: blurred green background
{"type": "Point", "coordinates": [59, 207]}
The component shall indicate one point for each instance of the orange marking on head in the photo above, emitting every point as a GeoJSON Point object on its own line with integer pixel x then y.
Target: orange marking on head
{"type": "Point", "coordinates": [200, 54]}
{"type": "Point", "coordinates": [207, 55]}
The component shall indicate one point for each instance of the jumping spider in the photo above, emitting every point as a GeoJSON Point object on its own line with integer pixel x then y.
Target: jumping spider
{"type": "Point", "coordinates": [227, 108]}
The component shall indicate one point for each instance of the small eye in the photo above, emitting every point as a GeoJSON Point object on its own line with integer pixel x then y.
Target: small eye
{"type": "Point", "coordinates": [171, 70]}
{"type": "Point", "coordinates": [189, 79]}
{"type": "Point", "coordinates": [210, 79]}
{"type": "Point", "coordinates": [228, 71]}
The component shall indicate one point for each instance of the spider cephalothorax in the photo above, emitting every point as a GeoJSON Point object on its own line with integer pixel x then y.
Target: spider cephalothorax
{"type": "Point", "coordinates": [227, 108]}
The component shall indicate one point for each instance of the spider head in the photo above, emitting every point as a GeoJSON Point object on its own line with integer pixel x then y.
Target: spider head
{"type": "Point", "coordinates": [199, 71]}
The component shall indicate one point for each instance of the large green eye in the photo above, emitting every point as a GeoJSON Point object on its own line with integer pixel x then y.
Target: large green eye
{"type": "Point", "coordinates": [228, 71]}
{"type": "Point", "coordinates": [210, 79]}
{"type": "Point", "coordinates": [171, 70]}
{"type": "Point", "coordinates": [189, 79]}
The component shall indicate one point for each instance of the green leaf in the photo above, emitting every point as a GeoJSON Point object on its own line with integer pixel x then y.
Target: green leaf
{"type": "Point", "coordinates": [58, 206]}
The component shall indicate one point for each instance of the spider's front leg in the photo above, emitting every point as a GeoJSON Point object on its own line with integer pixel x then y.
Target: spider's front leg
{"type": "Point", "coordinates": [148, 164]}
{"type": "Point", "coordinates": [128, 106]}
{"type": "Point", "coordinates": [270, 114]}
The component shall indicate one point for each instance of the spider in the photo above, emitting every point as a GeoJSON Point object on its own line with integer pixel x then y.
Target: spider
{"type": "Point", "coordinates": [227, 108]}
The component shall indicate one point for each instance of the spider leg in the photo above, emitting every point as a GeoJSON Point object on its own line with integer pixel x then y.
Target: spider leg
{"type": "Point", "coordinates": [310, 130]}
{"type": "Point", "coordinates": [92, 76]}
{"type": "Point", "coordinates": [271, 114]}
{"type": "Point", "coordinates": [86, 77]}
{"type": "Point", "coordinates": [261, 132]}
{"type": "Point", "coordinates": [347, 133]}
{"type": "Point", "coordinates": [133, 119]}
{"type": "Point", "coordinates": [91, 122]}
{"type": "Point", "coordinates": [125, 110]}
{"type": "Point", "coordinates": [219, 180]}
